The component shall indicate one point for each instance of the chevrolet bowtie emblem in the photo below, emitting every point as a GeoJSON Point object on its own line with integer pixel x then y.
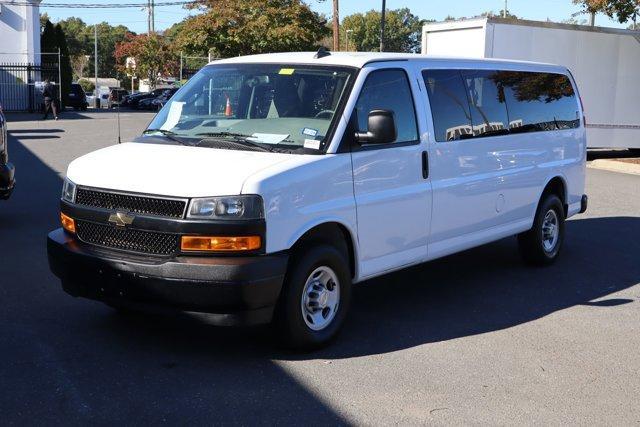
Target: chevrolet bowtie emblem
{"type": "Point", "coordinates": [121, 219]}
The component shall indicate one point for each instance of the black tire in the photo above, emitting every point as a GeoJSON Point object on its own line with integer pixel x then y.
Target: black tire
{"type": "Point", "coordinates": [532, 246]}
{"type": "Point", "coordinates": [635, 152]}
{"type": "Point", "coordinates": [289, 319]}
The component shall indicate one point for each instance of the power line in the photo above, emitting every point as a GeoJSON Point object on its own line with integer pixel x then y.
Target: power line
{"type": "Point", "coordinates": [99, 5]}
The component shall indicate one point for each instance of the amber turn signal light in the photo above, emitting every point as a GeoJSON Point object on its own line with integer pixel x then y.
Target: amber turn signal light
{"type": "Point", "coordinates": [220, 243]}
{"type": "Point", "coordinates": [68, 223]}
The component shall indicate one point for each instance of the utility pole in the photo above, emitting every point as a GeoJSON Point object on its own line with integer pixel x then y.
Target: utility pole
{"type": "Point", "coordinates": [59, 77]}
{"type": "Point", "coordinates": [504, 12]}
{"type": "Point", "coordinates": [151, 24]}
{"type": "Point", "coordinates": [592, 19]}
{"type": "Point", "coordinates": [336, 26]}
{"type": "Point", "coordinates": [96, 99]}
{"type": "Point", "coordinates": [384, 7]}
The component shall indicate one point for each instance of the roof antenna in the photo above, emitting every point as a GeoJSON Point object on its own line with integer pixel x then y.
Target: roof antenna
{"type": "Point", "coordinates": [321, 53]}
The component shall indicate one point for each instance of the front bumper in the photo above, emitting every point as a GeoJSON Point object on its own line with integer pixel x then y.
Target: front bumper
{"type": "Point", "coordinates": [225, 290]}
{"type": "Point", "coordinates": [7, 180]}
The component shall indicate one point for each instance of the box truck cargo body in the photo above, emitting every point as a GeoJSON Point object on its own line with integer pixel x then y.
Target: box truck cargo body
{"type": "Point", "coordinates": [603, 61]}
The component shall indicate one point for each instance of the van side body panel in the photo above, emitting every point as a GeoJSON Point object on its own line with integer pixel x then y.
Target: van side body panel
{"type": "Point", "coordinates": [302, 193]}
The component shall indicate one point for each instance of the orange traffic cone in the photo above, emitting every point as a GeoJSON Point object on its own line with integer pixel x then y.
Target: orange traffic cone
{"type": "Point", "coordinates": [228, 112]}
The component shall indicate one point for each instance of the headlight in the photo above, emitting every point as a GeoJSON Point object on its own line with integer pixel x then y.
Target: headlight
{"type": "Point", "coordinates": [228, 207]}
{"type": "Point", "coordinates": [68, 191]}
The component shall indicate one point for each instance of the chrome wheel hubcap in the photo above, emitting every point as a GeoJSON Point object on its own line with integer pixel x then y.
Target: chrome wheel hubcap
{"type": "Point", "coordinates": [320, 298]}
{"type": "Point", "coordinates": [550, 231]}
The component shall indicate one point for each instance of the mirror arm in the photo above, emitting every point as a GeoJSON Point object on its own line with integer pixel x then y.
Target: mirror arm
{"type": "Point", "coordinates": [363, 137]}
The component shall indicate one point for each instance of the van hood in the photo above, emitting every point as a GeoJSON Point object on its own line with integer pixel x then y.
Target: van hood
{"type": "Point", "coordinates": [170, 170]}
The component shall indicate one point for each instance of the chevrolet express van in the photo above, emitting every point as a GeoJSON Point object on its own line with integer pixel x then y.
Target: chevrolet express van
{"type": "Point", "coordinates": [269, 184]}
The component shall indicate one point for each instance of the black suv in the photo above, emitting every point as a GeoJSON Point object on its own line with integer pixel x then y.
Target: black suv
{"type": "Point", "coordinates": [7, 171]}
{"type": "Point", "coordinates": [77, 98]}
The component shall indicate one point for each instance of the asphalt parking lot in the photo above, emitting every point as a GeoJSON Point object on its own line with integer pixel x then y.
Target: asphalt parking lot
{"type": "Point", "coordinates": [475, 338]}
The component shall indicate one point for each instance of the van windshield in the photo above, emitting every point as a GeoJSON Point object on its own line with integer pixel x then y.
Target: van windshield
{"type": "Point", "coordinates": [243, 106]}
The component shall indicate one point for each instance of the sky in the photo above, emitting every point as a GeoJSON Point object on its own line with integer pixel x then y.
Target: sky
{"type": "Point", "coordinates": [136, 19]}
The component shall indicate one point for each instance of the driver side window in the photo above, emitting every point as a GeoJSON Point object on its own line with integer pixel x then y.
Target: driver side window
{"type": "Point", "coordinates": [389, 90]}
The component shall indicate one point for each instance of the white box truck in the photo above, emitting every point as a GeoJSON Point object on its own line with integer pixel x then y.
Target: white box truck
{"type": "Point", "coordinates": [604, 62]}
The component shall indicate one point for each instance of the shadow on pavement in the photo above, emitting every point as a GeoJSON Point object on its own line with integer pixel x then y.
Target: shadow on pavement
{"type": "Point", "coordinates": [21, 131]}
{"type": "Point", "coordinates": [612, 154]}
{"type": "Point", "coordinates": [78, 361]}
{"type": "Point", "coordinates": [70, 115]}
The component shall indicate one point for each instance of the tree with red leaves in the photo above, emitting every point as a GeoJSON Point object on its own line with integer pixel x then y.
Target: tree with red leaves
{"type": "Point", "coordinates": [154, 56]}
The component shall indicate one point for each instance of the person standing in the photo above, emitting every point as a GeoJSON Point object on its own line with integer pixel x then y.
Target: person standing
{"type": "Point", "coordinates": [50, 94]}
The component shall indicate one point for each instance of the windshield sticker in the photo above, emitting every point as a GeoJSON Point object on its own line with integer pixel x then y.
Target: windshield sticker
{"type": "Point", "coordinates": [310, 132]}
{"type": "Point", "coordinates": [268, 138]}
{"type": "Point", "coordinates": [312, 143]}
{"type": "Point", "coordinates": [175, 111]}
{"type": "Point", "coordinates": [286, 71]}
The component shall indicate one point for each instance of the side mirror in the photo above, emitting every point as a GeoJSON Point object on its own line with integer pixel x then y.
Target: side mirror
{"type": "Point", "coordinates": [381, 128]}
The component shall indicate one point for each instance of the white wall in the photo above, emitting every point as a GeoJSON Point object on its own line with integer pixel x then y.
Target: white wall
{"type": "Point", "coordinates": [463, 39]}
{"type": "Point", "coordinates": [20, 33]}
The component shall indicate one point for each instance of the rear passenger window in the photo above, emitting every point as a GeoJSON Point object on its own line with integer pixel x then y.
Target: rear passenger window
{"type": "Point", "coordinates": [449, 104]}
{"type": "Point", "coordinates": [389, 90]}
{"type": "Point", "coordinates": [488, 108]}
{"type": "Point", "coordinates": [539, 101]}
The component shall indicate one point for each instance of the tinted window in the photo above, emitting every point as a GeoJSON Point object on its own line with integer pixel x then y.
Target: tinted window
{"type": "Point", "coordinates": [488, 107]}
{"type": "Point", "coordinates": [388, 90]}
{"type": "Point", "coordinates": [449, 104]}
{"type": "Point", "coordinates": [539, 101]}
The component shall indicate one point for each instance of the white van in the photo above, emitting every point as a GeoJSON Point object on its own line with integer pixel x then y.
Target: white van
{"type": "Point", "coordinates": [269, 184]}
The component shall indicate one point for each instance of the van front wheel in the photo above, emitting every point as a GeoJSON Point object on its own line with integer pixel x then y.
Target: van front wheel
{"type": "Point", "coordinates": [315, 297]}
{"type": "Point", "coordinates": [541, 245]}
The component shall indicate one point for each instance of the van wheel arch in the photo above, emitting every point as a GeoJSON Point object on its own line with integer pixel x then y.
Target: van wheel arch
{"type": "Point", "coordinates": [333, 234]}
{"type": "Point", "coordinates": [557, 186]}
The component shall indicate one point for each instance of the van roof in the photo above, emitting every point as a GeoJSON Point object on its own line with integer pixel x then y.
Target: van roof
{"type": "Point", "coordinates": [360, 59]}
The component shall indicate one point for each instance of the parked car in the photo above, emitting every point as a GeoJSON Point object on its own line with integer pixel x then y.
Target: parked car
{"type": "Point", "coordinates": [134, 101]}
{"type": "Point", "coordinates": [7, 170]}
{"type": "Point", "coordinates": [104, 100]}
{"type": "Point", "coordinates": [77, 98]}
{"type": "Point", "coordinates": [147, 104]}
{"type": "Point", "coordinates": [159, 102]}
{"type": "Point", "coordinates": [269, 184]}
{"type": "Point", "coordinates": [116, 96]}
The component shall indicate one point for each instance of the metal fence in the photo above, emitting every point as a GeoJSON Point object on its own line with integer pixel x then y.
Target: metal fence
{"type": "Point", "coordinates": [21, 84]}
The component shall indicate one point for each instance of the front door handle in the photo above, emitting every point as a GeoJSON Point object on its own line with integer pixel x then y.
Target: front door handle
{"type": "Point", "coordinates": [425, 165]}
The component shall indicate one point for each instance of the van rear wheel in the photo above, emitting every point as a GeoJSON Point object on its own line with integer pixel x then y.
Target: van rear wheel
{"type": "Point", "coordinates": [541, 245]}
{"type": "Point", "coordinates": [315, 297]}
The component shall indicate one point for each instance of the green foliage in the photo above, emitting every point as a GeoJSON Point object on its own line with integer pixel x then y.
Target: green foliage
{"type": "Point", "coordinates": [153, 54]}
{"type": "Point", "coordinates": [231, 27]}
{"type": "Point", "coordinates": [402, 31]}
{"type": "Point", "coordinates": [80, 39]}
{"type": "Point", "coordinates": [65, 64]}
{"type": "Point", "coordinates": [48, 38]}
{"type": "Point", "coordinates": [622, 10]}
{"type": "Point", "coordinates": [87, 85]}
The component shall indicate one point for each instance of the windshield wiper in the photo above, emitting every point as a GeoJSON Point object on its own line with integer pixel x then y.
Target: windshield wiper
{"type": "Point", "coordinates": [239, 138]}
{"type": "Point", "coordinates": [223, 134]}
{"type": "Point", "coordinates": [167, 133]}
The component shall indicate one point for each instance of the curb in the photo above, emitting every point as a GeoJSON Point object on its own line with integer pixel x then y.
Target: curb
{"type": "Point", "coordinates": [615, 166]}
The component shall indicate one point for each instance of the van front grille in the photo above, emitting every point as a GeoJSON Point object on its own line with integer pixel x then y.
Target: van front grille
{"type": "Point", "coordinates": [109, 236]}
{"type": "Point", "coordinates": [172, 208]}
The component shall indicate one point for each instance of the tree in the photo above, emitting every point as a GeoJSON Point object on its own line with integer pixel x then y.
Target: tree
{"type": "Point", "coordinates": [65, 64]}
{"type": "Point", "coordinates": [48, 38]}
{"type": "Point", "coordinates": [402, 30]}
{"type": "Point", "coordinates": [87, 86]}
{"type": "Point", "coordinates": [153, 55]}
{"type": "Point", "coordinates": [622, 10]}
{"type": "Point", "coordinates": [53, 40]}
{"type": "Point", "coordinates": [80, 39]}
{"type": "Point", "coordinates": [230, 28]}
